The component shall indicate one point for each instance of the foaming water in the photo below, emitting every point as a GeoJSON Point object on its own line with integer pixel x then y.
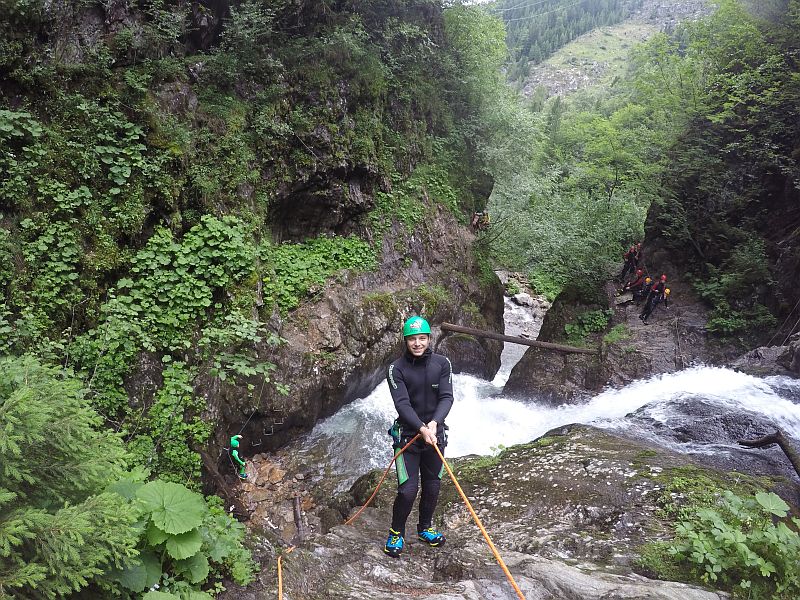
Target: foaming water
{"type": "Point", "coordinates": [482, 420]}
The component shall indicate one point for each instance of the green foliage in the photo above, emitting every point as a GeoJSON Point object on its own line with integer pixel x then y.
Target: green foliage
{"type": "Point", "coordinates": [513, 287]}
{"type": "Point", "coordinates": [68, 520]}
{"type": "Point", "coordinates": [297, 270]}
{"type": "Point", "coordinates": [617, 334]}
{"type": "Point", "coordinates": [186, 543]}
{"type": "Point", "coordinates": [585, 324]}
{"type": "Point", "coordinates": [734, 289]}
{"type": "Point", "coordinates": [59, 528]}
{"type": "Point", "coordinates": [174, 285]}
{"type": "Point", "coordinates": [433, 297]}
{"type": "Point", "coordinates": [545, 284]}
{"type": "Point", "coordinates": [410, 198]}
{"type": "Point", "coordinates": [729, 72]}
{"type": "Point", "coordinates": [740, 546]}
{"type": "Point", "coordinates": [536, 30]}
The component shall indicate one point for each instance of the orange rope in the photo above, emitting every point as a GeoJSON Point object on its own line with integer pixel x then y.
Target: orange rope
{"type": "Point", "coordinates": [463, 497]}
{"type": "Point", "coordinates": [353, 518]}
{"type": "Point", "coordinates": [385, 473]}
{"type": "Point", "coordinates": [480, 526]}
{"type": "Point", "coordinates": [280, 573]}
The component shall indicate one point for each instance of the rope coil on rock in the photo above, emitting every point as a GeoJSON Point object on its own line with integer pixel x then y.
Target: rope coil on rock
{"type": "Point", "coordinates": [475, 517]}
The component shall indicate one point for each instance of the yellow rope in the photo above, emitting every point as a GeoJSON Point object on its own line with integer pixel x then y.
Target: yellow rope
{"type": "Point", "coordinates": [385, 473]}
{"type": "Point", "coordinates": [481, 527]}
{"type": "Point", "coordinates": [280, 573]}
{"type": "Point", "coordinates": [463, 497]}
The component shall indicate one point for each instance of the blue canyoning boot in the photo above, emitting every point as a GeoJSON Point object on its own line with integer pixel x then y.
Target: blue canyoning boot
{"type": "Point", "coordinates": [431, 536]}
{"type": "Point", "coordinates": [394, 544]}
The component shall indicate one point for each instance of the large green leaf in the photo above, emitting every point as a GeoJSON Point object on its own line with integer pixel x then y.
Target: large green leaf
{"type": "Point", "coordinates": [773, 503]}
{"type": "Point", "coordinates": [141, 574]}
{"type": "Point", "coordinates": [195, 567]}
{"type": "Point", "coordinates": [156, 536]}
{"type": "Point", "coordinates": [184, 545]}
{"type": "Point", "coordinates": [174, 509]}
{"type": "Point", "coordinates": [126, 488]}
{"type": "Point", "coordinates": [160, 596]}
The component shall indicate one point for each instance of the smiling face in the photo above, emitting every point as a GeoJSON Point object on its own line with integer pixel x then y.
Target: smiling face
{"type": "Point", "coordinates": [417, 344]}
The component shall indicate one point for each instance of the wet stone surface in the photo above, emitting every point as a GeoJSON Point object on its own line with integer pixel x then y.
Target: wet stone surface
{"type": "Point", "coordinates": [567, 513]}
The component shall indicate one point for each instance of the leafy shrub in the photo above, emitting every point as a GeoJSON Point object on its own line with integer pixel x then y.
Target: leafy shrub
{"type": "Point", "coordinates": [586, 323]}
{"type": "Point", "coordinates": [297, 270]}
{"type": "Point", "coordinates": [617, 334]}
{"type": "Point", "coordinates": [740, 546]}
{"type": "Point", "coordinates": [513, 287]}
{"type": "Point", "coordinates": [186, 544]}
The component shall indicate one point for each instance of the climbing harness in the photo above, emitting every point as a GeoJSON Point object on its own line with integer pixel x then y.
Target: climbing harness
{"type": "Point", "coordinates": [463, 497]}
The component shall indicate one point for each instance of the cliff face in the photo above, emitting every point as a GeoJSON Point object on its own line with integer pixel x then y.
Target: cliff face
{"type": "Point", "coordinates": [338, 348]}
{"type": "Point", "coordinates": [188, 181]}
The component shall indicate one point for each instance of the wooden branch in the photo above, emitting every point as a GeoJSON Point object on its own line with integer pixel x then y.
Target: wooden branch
{"type": "Point", "coordinates": [776, 438]}
{"type": "Point", "coordinates": [298, 519]}
{"type": "Point", "coordinates": [516, 340]}
{"type": "Point", "coordinates": [222, 487]}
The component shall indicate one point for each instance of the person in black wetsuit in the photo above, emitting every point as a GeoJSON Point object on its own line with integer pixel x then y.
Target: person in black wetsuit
{"type": "Point", "coordinates": [421, 384]}
{"type": "Point", "coordinates": [654, 296]}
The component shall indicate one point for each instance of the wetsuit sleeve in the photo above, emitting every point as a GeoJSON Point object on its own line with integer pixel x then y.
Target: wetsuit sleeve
{"type": "Point", "coordinates": [402, 401]}
{"type": "Point", "coordinates": [445, 402]}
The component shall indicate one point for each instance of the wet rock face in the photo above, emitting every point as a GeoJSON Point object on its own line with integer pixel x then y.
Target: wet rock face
{"type": "Point", "coordinates": [468, 354]}
{"type": "Point", "coordinates": [772, 360]}
{"type": "Point", "coordinates": [555, 377]}
{"type": "Point", "coordinates": [790, 357]}
{"type": "Point", "coordinates": [714, 429]}
{"type": "Point", "coordinates": [567, 513]}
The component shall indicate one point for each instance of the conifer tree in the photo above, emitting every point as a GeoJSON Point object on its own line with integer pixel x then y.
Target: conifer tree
{"type": "Point", "coordinates": [59, 528]}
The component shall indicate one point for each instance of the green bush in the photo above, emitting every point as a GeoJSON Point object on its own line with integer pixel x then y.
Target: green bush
{"type": "Point", "coordinates": [586, 323]}
{"type": "Point", "coordinates": [296, 270]}
{"type": "Point", "coordinates": [617, 334]}
{"type": "Point", "coordinates": [745, 545]}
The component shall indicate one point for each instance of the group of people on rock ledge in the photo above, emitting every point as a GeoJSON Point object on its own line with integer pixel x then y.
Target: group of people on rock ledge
{"type": "Point", "coordinates": [647, 291]}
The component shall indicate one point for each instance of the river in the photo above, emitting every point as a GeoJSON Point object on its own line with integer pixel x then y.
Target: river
{"type": "Point", "coordinates": [700, 410]}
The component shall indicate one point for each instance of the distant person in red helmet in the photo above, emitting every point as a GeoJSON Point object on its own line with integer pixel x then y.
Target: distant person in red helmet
{"type": "Point", "coordinates": [632, 259]}
{"type": "Point", "coordinates": [635, 283]}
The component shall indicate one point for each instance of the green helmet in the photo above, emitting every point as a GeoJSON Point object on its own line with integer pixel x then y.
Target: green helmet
{"type": "Point", "coordinates": [416, 325]}
{"type": "Point", "coordinates": [235, 441]}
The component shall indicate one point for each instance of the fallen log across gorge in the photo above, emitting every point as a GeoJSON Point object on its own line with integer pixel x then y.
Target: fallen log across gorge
{"type": "Point", "coordinates": [517, 340]}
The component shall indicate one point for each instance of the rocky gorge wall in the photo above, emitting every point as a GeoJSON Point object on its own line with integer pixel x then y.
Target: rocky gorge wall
{"type": "Point", "coordinates": [338, 347]}
{"type": "Point", "coordinates": [674, 338]}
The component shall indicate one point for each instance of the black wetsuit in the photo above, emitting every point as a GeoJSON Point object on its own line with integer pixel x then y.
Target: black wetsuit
{"type": "Point", "coordinates": [655, 296]}
{"type": "Point", "coordinates": [422, 390]}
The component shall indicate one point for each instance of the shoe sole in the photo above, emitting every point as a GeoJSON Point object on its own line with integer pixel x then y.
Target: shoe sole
{"type": "Point", "coordinates": [392, 554]}
{"type": "Point", "coordinates": [433, 544]}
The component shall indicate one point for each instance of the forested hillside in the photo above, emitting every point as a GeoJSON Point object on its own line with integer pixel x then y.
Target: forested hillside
{"type": "Point", "coordinates": [703, 128]}
{"type": "Point", "coordinates": [536, 29]}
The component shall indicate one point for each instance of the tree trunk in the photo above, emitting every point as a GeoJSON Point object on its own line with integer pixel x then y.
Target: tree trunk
{"type": "Point", "coordinates": [232, 502]}
{"type": "Point", "coordinates": [776, 438]}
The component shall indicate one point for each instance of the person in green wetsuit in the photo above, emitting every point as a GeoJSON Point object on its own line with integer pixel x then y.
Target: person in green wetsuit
{"type": "Point", "coordinates": [235, 455]}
